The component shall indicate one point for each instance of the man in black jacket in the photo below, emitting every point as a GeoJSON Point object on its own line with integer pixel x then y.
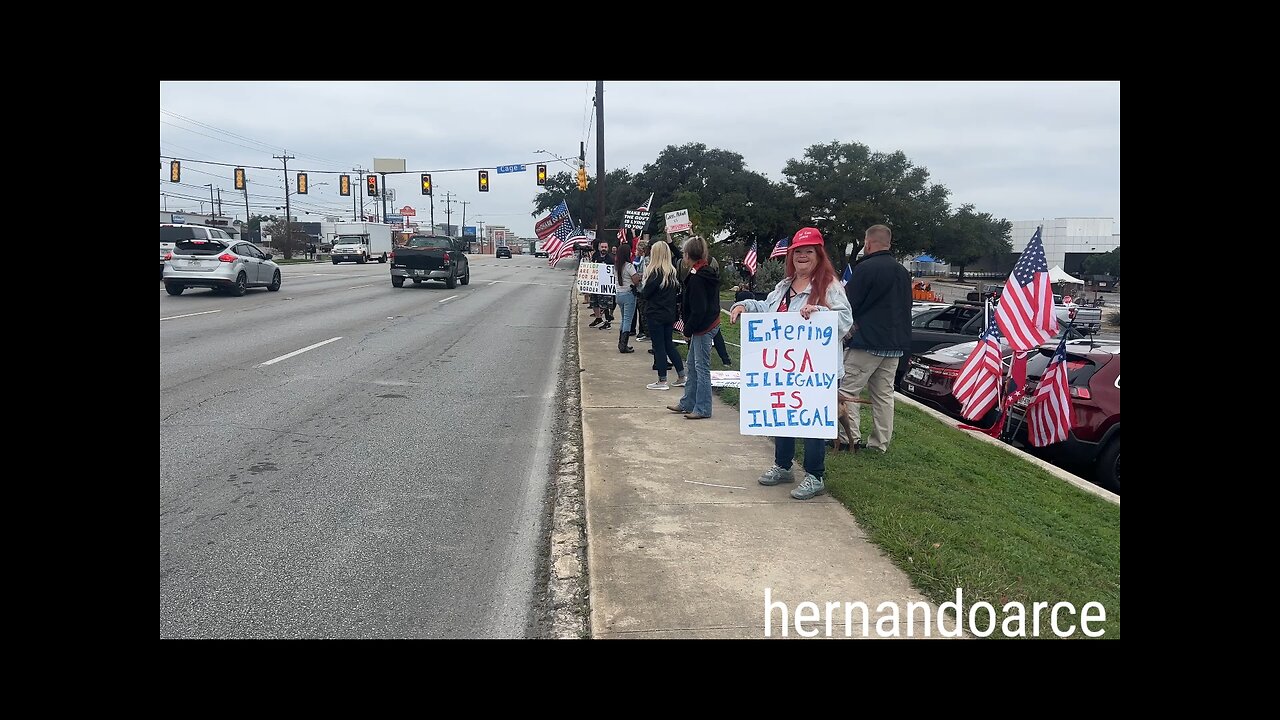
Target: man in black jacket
{"type": "Point", "coordinates": [879, 295]}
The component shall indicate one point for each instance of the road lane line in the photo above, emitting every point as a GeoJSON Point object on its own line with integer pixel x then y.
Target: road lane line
{"type": "Point", "coordinates": [449, 298]}
{"type": "Point", "coordinates": [495, 282]}
{"type": "Point", "coordinates": [353, 287]}
{"type": "Point", "coordinates": [175, 317]}
{"type": "Point", "coordinates": [299, 352]}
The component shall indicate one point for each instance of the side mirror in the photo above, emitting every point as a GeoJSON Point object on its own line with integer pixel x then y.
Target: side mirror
{"type": "Point", "coordinates": [268, 256]}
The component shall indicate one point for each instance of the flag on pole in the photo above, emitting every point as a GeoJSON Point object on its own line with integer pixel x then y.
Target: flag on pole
{"type": "Point", "coordinates": [1025, 313]}
{"type": "Point", "coordinates": [1049, 414]}
{"type": "Point", "coordinates": [567, 248]}
{"type": "Point", "coordinates": [750, 259]}
{"type": "Point", "coordinates": [780, 249]}
{"type": "Point", "coordinates": [847, 276]}
{"type": "Point", "coordinates": [554, 230]}
{"type": "Point", "coordinates": [978, 384]}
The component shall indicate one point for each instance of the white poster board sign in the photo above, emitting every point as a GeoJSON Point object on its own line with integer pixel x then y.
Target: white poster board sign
{"type": "Point", "coordinates": [726, 378]}
{"type": "Point", "coordinates": [789, 371]}
{"type": "Point", "coordinates": [678, 221]}
{"type": "Point", "coordinates": [596, 279]}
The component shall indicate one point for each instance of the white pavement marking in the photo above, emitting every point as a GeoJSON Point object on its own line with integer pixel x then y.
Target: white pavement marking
{"type": "Point", "coordinates": [175, 317]}
{"type": "Point", "coordinates": [449, 298]}
{"type": "Point", "coordinates": [299, 352]}
{"type": "Point", "coordinates": [694, 482]}
{"type": "Point", "coordinates": [353, 287]}
{"type": "Point", "coordinates": [495, 282]}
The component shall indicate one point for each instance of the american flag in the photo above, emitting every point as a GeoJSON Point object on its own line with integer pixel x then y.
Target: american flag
{"type": "Point", "coordinates": [1025, 313]}
{"type": "Point", "coordinates": [780, 250]}
{"type": "Point", "coordinates": [1049, 414]}
{"type": "Point", "coordinates": [566, 249]}
{"type": "Point", "coordinates": [978, 385]}
{"type": "Point", "coordinates": [679, 326]}
{"type": "Point", "coordinates": [554, 230]}
{"type": "Point", "coordinates": [847, 276]}
{"type": "Point", "coordinates": [750, 259]}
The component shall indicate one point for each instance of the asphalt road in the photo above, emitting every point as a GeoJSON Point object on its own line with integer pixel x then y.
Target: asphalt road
{"type": "Point", "coordinates": [387, 482]}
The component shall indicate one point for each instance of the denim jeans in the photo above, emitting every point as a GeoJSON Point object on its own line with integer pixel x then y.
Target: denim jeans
{"type": "Point", "coordinates": [815, 454]}
{"type": "Point", "coordinates": [627, 302]}
{"type": "Point", "coordinates": [697, 391]}
{"type": "Point", "coordinates": [664, 350]}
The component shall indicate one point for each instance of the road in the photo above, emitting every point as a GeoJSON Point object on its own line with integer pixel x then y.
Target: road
{"type": "Point", "coordinates": [346, 459]}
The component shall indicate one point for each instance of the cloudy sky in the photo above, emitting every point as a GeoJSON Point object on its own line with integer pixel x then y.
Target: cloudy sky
{"type": "Point", "coordinates": [1018, 150]}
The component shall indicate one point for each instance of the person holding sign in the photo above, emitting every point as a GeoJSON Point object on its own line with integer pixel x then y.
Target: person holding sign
{"type": "Point", "coordinates": [810, 285]}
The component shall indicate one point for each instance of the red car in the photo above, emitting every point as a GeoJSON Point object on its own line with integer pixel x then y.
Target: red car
{"type": "Point", "coordinates": [1094, 441]}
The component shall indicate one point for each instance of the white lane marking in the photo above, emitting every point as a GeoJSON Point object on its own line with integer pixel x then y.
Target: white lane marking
{"type": "Point", "coordinates": [449, 298]}
{"type": "Point", "coordinates": [694, 482]}
{"type": "Point", "coordinates": [353, 287]}
{"type": "Point", "coordinates": [495, 282]}
{"type": "Point", "coordinates": [175, 317]}
{"type": "Point", "coordinates": [299, 352]}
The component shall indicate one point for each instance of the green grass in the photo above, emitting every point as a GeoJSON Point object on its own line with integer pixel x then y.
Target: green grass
{"type": "Point", "coordinates": [954, 512]}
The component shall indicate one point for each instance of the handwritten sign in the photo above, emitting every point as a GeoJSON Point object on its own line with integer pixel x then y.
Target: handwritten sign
{"type": "Point", "coordinates": [678, 221]}
{"type": "Point", "coordinates": [789, 371]}
{"type": "Point", "coordinates": [726, 378]}
{"type": "Point", "coordinates": [596, 279]}
{"type": "Point", "coordinates": [635, 220]}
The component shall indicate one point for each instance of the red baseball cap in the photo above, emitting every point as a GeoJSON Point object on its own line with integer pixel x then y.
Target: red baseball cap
{"type": "Point", "coordinates": [806, 236]}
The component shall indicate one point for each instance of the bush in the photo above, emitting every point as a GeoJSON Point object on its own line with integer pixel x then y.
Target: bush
{"type": "Point", "coordinates": [729, 278]}
{"type": "Point", "coordinates": [768, 274]}
{"type": "Point", "coordinates": [1114, 318]}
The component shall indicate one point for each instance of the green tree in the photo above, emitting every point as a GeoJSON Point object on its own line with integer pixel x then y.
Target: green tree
{"type": "Point", "coordinates": [967, 236]}
{"type": "Point", "coordinates": [289, 240]}
{"type": "Point", "coordinates": [1103, 264]}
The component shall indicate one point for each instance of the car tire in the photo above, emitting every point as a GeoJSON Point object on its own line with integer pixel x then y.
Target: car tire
{"type": "Point", "coordinates": [452, 282]}
{"type": "Point", "coordinates": [1108, 470]}
{"type": "Point", "coordinates": [242, 284]}
{"type": "Point", "coordinates": [335, 261]}
{"type": "Point", "coordinates": [362, 260]}
{"type": "Point", "coordinates": [174, 288]}
{"type": "Point", "coordinates": [397, 282]}
{"type": "Point", "coordinates": [466, 279]}
{"type": "Point", "coordinates": [275, 282]}
{"type": "Point", "coordinates": [383, 259]}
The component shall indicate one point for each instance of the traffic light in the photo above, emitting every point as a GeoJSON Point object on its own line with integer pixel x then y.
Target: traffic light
{"type": "Point", "coordinates": [484, 181]}
{"type": "Point", "coordinates": [344, 184]}
{"type": "Point", "coordinates": [239, 178]}
{"type": "Point", "coordinates": [582, 179]}
{"type": "Point", "coordinates": [175, 171]}
{"type": "Point", "coordinates": [372, 180]}
{"type": "Point", "coordinates": [542, 174]}
{"type": "Point", "coordinates": [426, 183]}
{"type": "Point", "coordinates": [302, 183]}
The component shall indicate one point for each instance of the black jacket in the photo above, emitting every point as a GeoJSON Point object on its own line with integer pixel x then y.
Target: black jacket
{"type": "Point", "coordinates": [880, 297]}
{"type": "Point", "coordinates": [700, 302]}
{"type": "Point", "coordinates": [659, 302]}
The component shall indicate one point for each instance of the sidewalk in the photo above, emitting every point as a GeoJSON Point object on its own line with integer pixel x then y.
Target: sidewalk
{"type": "Point", "coordinates": [682, 540]}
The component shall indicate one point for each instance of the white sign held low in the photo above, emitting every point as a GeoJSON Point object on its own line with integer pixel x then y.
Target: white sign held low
{"type": "Point", "coordinates": [596, 279]}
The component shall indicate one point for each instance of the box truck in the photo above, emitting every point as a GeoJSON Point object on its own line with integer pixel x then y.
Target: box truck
{"type": "Point", "coordinates": [361, 242]}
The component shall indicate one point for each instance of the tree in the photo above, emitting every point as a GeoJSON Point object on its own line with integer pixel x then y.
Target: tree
{"type": "Point", "coordinates": [287, 240]}
{"type": "Point", "coordinates": [966, 236]}
{"type": "Point", "coordinates": [844, 188]}
{"type": "Point", "coordinates": [1103, 264]}
{"type": "Point", "coordinates": [620, 195]}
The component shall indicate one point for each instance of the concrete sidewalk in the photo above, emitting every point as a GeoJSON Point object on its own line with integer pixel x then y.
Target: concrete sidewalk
{"type": "Point", "coordinates": [682, 540]}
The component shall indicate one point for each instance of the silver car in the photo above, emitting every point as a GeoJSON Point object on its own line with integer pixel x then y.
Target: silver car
{"type": "Point", "coordinates": [232, 266]}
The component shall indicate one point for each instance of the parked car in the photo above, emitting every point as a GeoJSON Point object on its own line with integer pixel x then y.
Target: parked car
{"type": "Point", "coordinates": [503, 252]}
{"type": "Point", "coordinates": [430, 257]}
{"type": "Point", "coordinates": [959, 322]}
{"type": "Point", "coordinates": [1094, 441]}
{"type": "Point", "coordinates": [930, 377]}
{"type": "Point", "coordinates": [171, 233]}
{"type": "Point", "coordinates": [224, 265]}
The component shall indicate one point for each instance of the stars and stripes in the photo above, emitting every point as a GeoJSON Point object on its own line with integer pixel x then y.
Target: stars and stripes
{"type": "Point", "coordinates": [1025, 313]}
{"type": "Point", "coordinates": [978, 385]}
{"type": "Point", "coordinates": [780, 249]}
{"type": "Point", "coordinates": [556, 231]}
{"type": "Point", "coordinates": [1049, 414]}
{"type": "Point", "coordinates": [750, 261]}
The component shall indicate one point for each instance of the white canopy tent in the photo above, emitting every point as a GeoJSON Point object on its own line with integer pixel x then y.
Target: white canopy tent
{"type": "Point", "coordinates": [1057, 275]}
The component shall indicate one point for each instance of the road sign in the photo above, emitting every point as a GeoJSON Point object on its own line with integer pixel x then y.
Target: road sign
{"type": "Point", "coordinates": [468, 230]}
{"type": "Point", "coordinates": [393, 220]}
{"type": "Point", "coordinates": [510, 169]}
{"type": "Point", "coordinates": [406, 210]}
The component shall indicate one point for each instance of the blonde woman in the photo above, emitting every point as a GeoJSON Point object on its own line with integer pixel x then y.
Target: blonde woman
{"type": "Point", "coordinates": [659, 288]}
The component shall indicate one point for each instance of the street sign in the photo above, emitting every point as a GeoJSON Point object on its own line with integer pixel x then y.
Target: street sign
{"type": "Point", "coordinates": [393, 220]}
{"type": "Point", "coordinates": [406, 210]}
{"type": "Point", "coordinates": [468, 230]}
{"type": "Point", "coordinates": [510, 169]}
{"type": "Point", "coordinates": [179, 219]}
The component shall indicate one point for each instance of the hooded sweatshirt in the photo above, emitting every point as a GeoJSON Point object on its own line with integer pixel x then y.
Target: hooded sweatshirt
{"type": "Point", "coordinates": [700, 302]}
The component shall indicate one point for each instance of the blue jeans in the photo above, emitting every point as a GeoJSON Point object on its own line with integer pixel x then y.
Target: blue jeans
{"type": "Point", "coordinates": [664, 350]}
{"type": "Point", "coordinates": [697, 391]}
{"type": "Point", "coordinates": [627, 301]}
{"type": "Point", "coordinates": [815, 454]}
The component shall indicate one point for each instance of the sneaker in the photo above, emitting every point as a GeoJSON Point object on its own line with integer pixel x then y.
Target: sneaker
{"type": "Point", "coordinates": [810, 487]}
{"type": "Point", "coordinates": [660, 385]}
{"type": "Point", "coordinates": [775, 475]}
{"type": "Point", "coordinates": [595, 322]}
{"type": "Point", "coordinates": [641, 337]}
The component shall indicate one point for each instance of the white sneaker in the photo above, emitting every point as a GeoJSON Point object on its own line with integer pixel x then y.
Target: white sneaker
{"type": "Point", "coordinates": [680, 382]}
{"type": "Point", "coordinates": [660, 385]}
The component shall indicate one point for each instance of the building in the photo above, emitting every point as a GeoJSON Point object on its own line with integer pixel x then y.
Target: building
{"type": "Point", "coordinates": [1067, 241]}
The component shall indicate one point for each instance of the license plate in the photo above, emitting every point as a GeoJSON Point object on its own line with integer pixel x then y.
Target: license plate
{"type": "Point", "coordinates": [193, 262]}
{"type": "Point", "coordinates": [916, 374]}
{"type": "Point", "coordinates": [911, 388]}
{"type": "Point", "coordinates": [1023, 402]}
{"type": "Point", "coordinates": [419, 272]}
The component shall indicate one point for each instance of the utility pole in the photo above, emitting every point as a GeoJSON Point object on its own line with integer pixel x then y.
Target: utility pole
{"type": "Point", "coordinates": [465, 203]}
{"type": "Point", "coordinates": [384, 197]}
{"type": "Point", "coordinates": [219, 202]}
{"type": "Point", "coordinates": [448, 224]}
{"type": "Point", "coordinates": [600, 223]}
{"type": "Point", "coordinates": [288, 216]}
{"type": "Point", "coordinates": [212, 210]}
{"type": "Point", "coordinates": [360, 180]}
{"type": "Point", "coordinates": [247, 217]}
{"type": "Point", "coordinates": [432, 198]}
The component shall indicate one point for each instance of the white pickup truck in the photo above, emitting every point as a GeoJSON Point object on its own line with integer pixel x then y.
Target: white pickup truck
{"type": "Point", "coordinates": [1085, 316]}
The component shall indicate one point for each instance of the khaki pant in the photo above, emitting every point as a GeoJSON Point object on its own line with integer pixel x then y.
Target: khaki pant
{"type": "Point", "coordinates": [864, 370]}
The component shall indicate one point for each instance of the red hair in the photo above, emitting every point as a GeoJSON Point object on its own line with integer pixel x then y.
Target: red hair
{"type": "Point", "coordinates": [823, 275]}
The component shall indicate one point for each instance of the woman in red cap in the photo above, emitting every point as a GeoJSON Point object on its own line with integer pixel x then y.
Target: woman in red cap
{"type": "Point", "coordinates": [810, 285]}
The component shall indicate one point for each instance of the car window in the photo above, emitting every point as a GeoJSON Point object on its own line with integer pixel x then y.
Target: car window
{"type": "Point", "coordinates": [1079, 368]}
{"type": "Point", "coordinates": [950, 320]}
{"type": "Point", "coordinates": [247, 250]}
{"type": "Point", "coordinates": [196, 246]}
{"type": "Point", "coordinates": [922, 320]}
{"type": "Point", "coordinates": [430, 242]}
{"type": "Point", "coordinates": [174, 234]}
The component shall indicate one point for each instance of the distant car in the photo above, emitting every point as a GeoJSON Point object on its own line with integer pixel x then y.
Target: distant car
{"type": "Point", "coordinates": [1094, 440]}
{"type": "Point", "coordinates": [504, 252]}
{"type": "Point", "coordinates": [930, 377]}
{"type": "Point", "coordinates": [225, 265]}
{"type": "Point", "coordinates": [541, 253]}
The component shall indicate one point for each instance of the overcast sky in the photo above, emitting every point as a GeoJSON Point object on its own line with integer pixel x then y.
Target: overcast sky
{"type": "Point", "coordinates": [1018, 150]}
